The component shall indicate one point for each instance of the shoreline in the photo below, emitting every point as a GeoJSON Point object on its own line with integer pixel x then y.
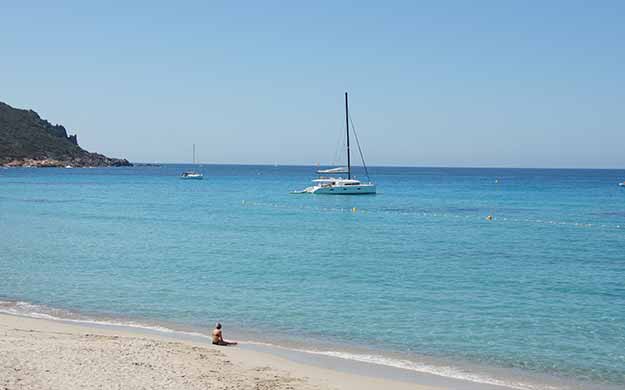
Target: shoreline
{"type": "Point", "coordinates": [362, 366]}
{"type": "Point", "coordinates": [36, 351]}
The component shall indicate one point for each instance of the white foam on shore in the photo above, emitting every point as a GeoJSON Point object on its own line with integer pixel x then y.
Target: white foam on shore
{"type": "Point", "coordinates": [448, 372]}
{"type": "Point", "coordinates": [25, 309]}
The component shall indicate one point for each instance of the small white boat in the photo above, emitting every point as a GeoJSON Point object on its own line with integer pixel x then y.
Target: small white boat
{"type": "Point", "coordinates": [192, 175]}
{"type": "Point", "coordinates": [621, 184]}
{"type": "Point", "coordinates": [331, 185]}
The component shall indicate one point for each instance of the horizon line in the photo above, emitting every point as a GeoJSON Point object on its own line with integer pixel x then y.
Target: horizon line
{"type": "Point", "coordinates": [382, 166]}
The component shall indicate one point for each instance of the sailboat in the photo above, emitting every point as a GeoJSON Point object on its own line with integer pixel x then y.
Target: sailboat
{"type": "Point", "coordinates": [331, 185]}
{"type": "Point", "coordinates": [192, 175]}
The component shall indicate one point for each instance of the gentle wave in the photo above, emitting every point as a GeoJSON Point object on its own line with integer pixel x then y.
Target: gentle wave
{"type": "Point", "coordinates": [26, 309]}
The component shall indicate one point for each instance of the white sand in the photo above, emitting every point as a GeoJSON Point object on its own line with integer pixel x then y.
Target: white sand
{"type": "Point", "coordinates": [44, 354]}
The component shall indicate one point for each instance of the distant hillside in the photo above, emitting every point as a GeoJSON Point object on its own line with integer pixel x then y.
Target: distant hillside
{"type": "Point", "coordinates": [28, 140]}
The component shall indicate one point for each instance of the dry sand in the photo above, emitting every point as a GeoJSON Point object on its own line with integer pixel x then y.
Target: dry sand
{"type": "Point", "coordinates": [45, 354]}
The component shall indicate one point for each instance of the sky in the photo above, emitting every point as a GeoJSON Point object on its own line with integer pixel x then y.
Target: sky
{"type": "Point", "coordinates": [431, 83]}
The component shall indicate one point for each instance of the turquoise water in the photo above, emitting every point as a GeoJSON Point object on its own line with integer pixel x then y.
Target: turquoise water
{"type": "Point", "coordinates": [415, 273]}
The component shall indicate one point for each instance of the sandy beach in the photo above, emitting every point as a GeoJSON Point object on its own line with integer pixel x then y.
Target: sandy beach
{"type": "Point", "coordinates": [46, 354]}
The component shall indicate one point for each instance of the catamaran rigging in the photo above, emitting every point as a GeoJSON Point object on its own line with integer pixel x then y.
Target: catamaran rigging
{"type": "Point", "coordinates": [339, 185]}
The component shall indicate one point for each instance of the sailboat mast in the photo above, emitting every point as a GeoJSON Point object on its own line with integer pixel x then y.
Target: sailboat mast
{"type": "Point", "coordinates": [349, 164]}
{"type": "Point", "coordinates": [193, 154]}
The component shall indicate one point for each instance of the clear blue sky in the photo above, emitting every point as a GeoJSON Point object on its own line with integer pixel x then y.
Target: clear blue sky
{"type": "Point", "coordinates": [457, 83]}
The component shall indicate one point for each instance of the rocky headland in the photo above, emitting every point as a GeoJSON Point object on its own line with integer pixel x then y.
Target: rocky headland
{"type": "Point", "coordinates": [27, 140]}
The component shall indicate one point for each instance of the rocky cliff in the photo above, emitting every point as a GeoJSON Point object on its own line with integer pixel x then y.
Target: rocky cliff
{"type": "Point", "coordinates": [28, 140]}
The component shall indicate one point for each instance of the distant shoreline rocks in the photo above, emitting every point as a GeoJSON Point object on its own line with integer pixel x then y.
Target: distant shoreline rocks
{"type": "Point", "coordinates": [147, 165]}
{"type": "Point", "coordinates": [52, 163]}
{"type": "Point", "coordinates": [27, 140]}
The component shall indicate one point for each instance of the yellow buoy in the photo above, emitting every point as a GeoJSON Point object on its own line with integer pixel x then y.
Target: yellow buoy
{"type": "Point", "coordinates": [354, 209]}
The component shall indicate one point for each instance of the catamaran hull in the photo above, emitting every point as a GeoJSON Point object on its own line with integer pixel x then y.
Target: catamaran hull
{"type": "Point", "coordinates": [192, 177]}
{"type": "Point", "coordinates": [343, 190]}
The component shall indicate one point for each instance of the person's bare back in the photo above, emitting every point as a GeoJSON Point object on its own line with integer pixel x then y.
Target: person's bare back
{"type": "Point", "coordinates": [217, 337]}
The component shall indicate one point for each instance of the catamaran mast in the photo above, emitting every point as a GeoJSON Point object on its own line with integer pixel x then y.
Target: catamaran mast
{"type": "Point", "coordinates": [349, 164]}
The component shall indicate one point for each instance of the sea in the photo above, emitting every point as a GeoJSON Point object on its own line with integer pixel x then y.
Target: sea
{"type": "Point", "coordinates": [417, 277]}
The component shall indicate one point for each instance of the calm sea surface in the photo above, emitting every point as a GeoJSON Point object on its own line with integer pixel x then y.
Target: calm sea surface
{"type": "Point", "coordinates": [415, 275]}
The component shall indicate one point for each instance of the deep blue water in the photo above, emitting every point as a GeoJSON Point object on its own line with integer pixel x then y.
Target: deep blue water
{"type": "Point", "coordinates": [416, 271]}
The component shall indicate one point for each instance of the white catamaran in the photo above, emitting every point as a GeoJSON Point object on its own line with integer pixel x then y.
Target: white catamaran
{"type": "Point", "coordinates": [192, 175]}
{"type": "Point", "coordinates": [328, 184]}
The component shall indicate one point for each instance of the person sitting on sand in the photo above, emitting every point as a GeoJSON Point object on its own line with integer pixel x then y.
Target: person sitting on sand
{"type": "Point", "coordinates": [218, 338]}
